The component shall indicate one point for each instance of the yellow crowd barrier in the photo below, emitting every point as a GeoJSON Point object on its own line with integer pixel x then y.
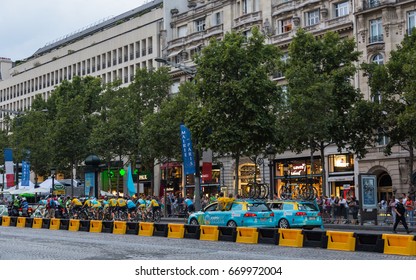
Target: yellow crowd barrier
{"type": "Point", "coordinates": [146, 229]}
{"type": "Point", "coordinates": [96, 226]}
{"type": "Point", "coordinates": [247, 235]}
{"type": "Point", "coordinates": [119, 227]}
{"type": "Point", "coordinates": [21, 222]}
{"type": "Point", "coordinates": [338, 240]}
{"type": "Point", "coordinates": [5, 221]}
{"type": "Point", "coordinates": [74, 225]}
{"type": "Point", "coordinates": [176, 230]}
{"type": "Point", "coordinates": [37, 223]}
{"type": "Point", "coordinates": [398, 244]}
{"type": "Point", "coordinates": [290, 237]}
{"type": "Point", "coordinates": [55, 224]}
{"type": "Point", "coordinates": [209, 233]}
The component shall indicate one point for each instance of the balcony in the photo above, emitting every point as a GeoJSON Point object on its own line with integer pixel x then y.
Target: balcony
{"type": "Point", "coordinates": [247, 18]}
{"type": "Point", "coordinates": [370, 4]}
{"type": "Point", "coordinates": [376, 39]}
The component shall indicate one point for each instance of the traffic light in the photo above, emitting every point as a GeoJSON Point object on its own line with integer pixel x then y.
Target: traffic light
{"type": "Point", "coordinates": [122, 172]}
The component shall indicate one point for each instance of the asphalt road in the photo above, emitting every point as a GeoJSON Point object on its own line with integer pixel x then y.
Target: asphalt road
{"type": "Point", "coordinates": [45, 244]}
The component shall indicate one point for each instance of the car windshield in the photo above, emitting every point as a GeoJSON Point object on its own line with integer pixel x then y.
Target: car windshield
{"type": "Point", "coordinates": [257, 207]}
{"type": "Point", "coordinates": [308, 207]}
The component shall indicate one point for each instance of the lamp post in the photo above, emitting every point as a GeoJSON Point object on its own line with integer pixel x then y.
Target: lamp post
{"type": "Point", "coordinates": [191, 72]}
{"type": "Point", "coordinates": [271, 154]}
{"type": "Point", "coordinates": [53, 171]}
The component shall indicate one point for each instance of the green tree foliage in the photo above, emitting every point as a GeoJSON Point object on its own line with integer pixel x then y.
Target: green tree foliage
{"type": "Point", "coordinates": [236, 99]}
{"type": "Point", "coordinates": [395, 83]}
{"type": "Point", "coordinates": [320, 94]}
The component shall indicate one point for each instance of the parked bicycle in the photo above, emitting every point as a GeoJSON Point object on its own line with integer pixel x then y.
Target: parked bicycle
{"type": "Point", "coordinates": [294, 191]}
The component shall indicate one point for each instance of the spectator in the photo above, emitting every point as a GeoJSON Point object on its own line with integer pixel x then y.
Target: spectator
{"type": "Point", "coordinates": [25, 207]}
{"type": "Point", "coordinates": [392, 207]}
{"type": "Point", "coordinates": [343, 207]}
{"type": "Point", "coordinates": [410, 210]}
{"type": "Point", "coordinates": [189, 205]}
{"type": "Point", "coordinates": [353, 206]}
{"type": "Point", "coordinates": [400, 215]}
{"type": "Point", "coordinates": [337, 210]}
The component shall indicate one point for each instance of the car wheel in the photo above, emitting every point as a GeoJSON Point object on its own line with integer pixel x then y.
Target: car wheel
{"type": "Point", "coordinates": [231, 224]}
{"type": "Point", "coordinates": [283, 223]}
{"type": "Point", "coordinates": [194, 222]}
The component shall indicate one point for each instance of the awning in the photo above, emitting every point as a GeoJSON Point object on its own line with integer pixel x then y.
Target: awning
{"type": "Point", "coordinates": [171, 164]}
{"type": "Point", "coordinates": [340, 178]}
{"type": "Point", "coordinates": [175, 53]}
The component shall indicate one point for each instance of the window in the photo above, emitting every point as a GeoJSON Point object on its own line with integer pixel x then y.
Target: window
{"type": "Point", "coordinates": [182, 31]}
{"type": "Point", "coordinates": [378, 59]}
{"type": "Point", "coordinates": [341, 9]}
{"type": "Point", "coordinates": [200, 24]}
{"type": "Point", "coordinates": [382, 139]}
{"type": "Point", "coordinates": [376, 31]}
{"type": "Point", "coordinates": [217, 18]}
{"type": "Point", "coordinates": [376, 97]}
{"type": "Point", "coordinates": [411, 21]}
{"type": "Point", "coordinates": [284, 58]}
{"type": "Point", "coordinates": [285, 25]}
{"type": "Point", "coordinates": [312, 17]}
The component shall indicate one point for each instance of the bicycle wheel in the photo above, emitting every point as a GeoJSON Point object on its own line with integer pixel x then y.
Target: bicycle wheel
{"type": "Point", "coordinates": [83, 216]}
{"type": "Point", "coordinates": [122, 216]}
{"type": "Point", "coordinates": [308, 192]}
{"type": "Point", "coordinates": [157, 216]}
{"type": "Point", "coordinates": [285, 192]}
{"type": "Point", "coordinates": [263, 191]}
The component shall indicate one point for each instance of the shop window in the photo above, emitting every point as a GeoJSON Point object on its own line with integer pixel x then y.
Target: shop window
{"type": "Point", "coordinates": [341, 163]}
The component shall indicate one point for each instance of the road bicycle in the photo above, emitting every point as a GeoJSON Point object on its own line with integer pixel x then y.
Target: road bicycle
{"type": "Point", "coordinates": [294, 191]}
{"type": "Point", "coordinates": [256, 190]}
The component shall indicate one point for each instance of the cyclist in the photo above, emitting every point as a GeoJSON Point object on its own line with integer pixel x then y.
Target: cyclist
{"type": "Point", "coordinates": [189, 205]}
{"type": "Point", "coordinates": [121, 205]}
{"type": "Point", "coordinates": [141, 202]}
{"type": "Point", "coordinates": [76, 205]}
{"type": "Point", "coordinates": [112, 206]}
{"type": "Point", "coordinates": [131, 207]}
{"type": "Point", "coordinates": [153, 205]}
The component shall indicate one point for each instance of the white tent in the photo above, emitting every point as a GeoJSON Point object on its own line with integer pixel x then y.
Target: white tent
{"type": "Point", "coordinates": [30, 190]}
{"type": "Point", "coordinates": [47, 184]}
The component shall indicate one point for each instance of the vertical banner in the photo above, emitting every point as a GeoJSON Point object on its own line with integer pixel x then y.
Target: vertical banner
{"type": "Point", "coordinates": [187, 151]}
{"type": "Point", "coordinates": [25, 174]}
{"type": "Point", "coordinates": [8, 162]}
{"type": "Point", "coordinates": [130, 184]}
{"type": "Point", "coordinates": [89, 183]}
{"type": "Point", "coordinates": [207, 166]}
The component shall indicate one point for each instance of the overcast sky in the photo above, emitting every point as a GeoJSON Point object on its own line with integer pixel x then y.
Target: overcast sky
{"type": "Point", "coordinates": [27, 25]}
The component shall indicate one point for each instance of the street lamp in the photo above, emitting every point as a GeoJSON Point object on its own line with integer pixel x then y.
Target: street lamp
{"type": "Point", "coordinates": [53, 170]}
{"type": "Point", "coordinates": [191, 72]}
{"type": "Point", "coordinates": [271, 154]}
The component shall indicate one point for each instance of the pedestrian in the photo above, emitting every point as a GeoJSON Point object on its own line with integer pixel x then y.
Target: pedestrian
{"type": "Point", "coordinates": [400, 215]}
{"type": "Point", "coordinates": [392, 206]}
{"type": "Point", "coordinates": [337, 210]}
{"type": "Point", "coordinates": [353, 206]}
{"type": "Point", "coordinates": [410, 210]}
{"type": "Point", "coordinates": [344, 210]}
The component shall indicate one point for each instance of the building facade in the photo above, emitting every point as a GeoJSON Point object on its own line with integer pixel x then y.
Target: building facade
{"type": "Point", "coordinates": [177, 30]}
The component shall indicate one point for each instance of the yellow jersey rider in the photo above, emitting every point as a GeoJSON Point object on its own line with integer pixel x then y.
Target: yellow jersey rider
{"type": "Point", "coordinates": [153, 205]}
{"type": "Point", "coordinates": [121, 204]}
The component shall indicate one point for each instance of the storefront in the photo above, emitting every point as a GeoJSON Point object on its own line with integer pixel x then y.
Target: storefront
{"type": "Point", "coordinates": [171, 178]}
{"type": "Point", "coordinates": [209, 185]}
{"type": "Point", "coordinates": [296, 172]}
{"type": "Point", "coordinates": [341, 175]}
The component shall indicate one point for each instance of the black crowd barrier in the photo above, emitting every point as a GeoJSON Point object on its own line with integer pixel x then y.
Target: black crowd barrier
{"type": "Point", "coordinates": [64, 224]}
{"type": "Point", "coordinates": [314, 238]}
{"type": "Point", "coordinates": [192, 231]}
{"type": "Point", "coordinates": [13, 221]}
{"type": "Point", "coordinates": [268, 236]}
{"type": "Point", "coordinates": [46, 223]}
{"type": "Point", "coordinates": [369, 242]}
{"type": "Point", "coordinates": [29, 222]}
{"type": "Point", "coordinates": [132, 228]}
{"type": "Point", "coordinates": [227, 234]}
{"type": "Point", "coordinates": [84, 225]}
{"type": "Point", "coordinates": [160, 230]}
{"type": "Point", "coordinates": [107, 226]}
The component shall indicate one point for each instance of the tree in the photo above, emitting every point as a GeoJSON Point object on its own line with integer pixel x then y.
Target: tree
{"type": "Point", "coordinates": [236, 100]}
{"type": "Point", "coordinates": [320, 95]}
{"type": "Point", "coordinates": [395, 84]}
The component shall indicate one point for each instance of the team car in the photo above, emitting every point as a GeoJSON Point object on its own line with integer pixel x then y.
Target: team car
{"type": "Point", "coordinates": [247, 213]}
{"type": "Point", "coordinates": [296, 214]}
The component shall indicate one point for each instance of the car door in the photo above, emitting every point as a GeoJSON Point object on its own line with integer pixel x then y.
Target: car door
{"type": "Point", "coordinates": [212, 215]}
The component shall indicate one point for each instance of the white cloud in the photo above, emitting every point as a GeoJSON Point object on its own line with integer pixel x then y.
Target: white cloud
{"type": "Point", "coordinates": [27, 25]}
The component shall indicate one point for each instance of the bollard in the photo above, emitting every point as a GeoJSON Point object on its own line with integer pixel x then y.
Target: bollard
{"type": "Point", "coordinates": [290, 237]}
{"type": "Point", "coordinates": [209, 233]}
{"type": "Point", "coordinates": [247, 235]}
{"type": "Point", "coordinates": [176, 230]}
{"type": "Point", "coordinates": [120, 227]}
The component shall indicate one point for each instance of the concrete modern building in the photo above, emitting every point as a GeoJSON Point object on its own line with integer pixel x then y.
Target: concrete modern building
{"type": "Point", "coordinates": [176, 30]}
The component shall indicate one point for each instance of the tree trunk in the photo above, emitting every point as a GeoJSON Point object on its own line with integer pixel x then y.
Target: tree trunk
{"type": "Point", "coordinates": [310, 177]}
{"type": "Point", "coordinates": [410, 167]}
{"type": "Point", "coordinates": [236, 183]}
{"type": "Point", "coordinates": [324, 189]}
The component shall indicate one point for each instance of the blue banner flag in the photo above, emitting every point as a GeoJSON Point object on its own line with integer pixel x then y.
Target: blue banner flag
{"type": "Point", "coordinates": [25, 173]}
{"type": "Point", "coordinates": [187, 151]}
{"type": "Point", "coordinates": [130, 184]}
